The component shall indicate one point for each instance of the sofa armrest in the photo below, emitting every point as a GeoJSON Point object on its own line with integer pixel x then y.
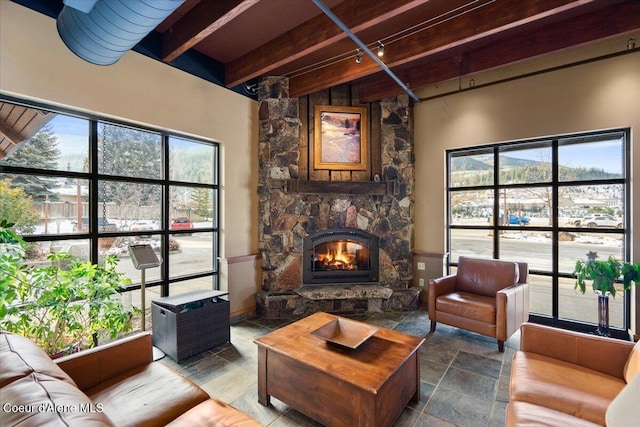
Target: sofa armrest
{"type": "Point", "coordinates": [437, 287]}
{"type": "Point", "coordinates": [512, 310]}
{"type": "Point", "coordinates": [606, 355]}
{"type": "Point", "coordinates": [91, 367]}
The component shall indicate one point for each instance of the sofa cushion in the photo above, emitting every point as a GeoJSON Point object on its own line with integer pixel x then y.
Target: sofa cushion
{"type": "Point", "coordinates": [153, 394]}
{"type": "Point", "coordinates": [214, 412]}
{"type": "Point", "coordinates": [470, 306]}
{"type": "Point", "coordinates": [524, 414]}
{"type": "Point", "coordinates": [20, 357]}
{"type": "Point", "coordinates": [485, 276]}
{"type": "Point", "coordinates": [632, 367]}
{"type": "Point", "coordinates": [41, 400]}
{"type": "Point", "coordinates": [562, 386]}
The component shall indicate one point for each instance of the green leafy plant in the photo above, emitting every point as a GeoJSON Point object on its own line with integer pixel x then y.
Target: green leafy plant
{"type": "Point", "coordinates": [10, 242]}
{"type": "Point", "coordinates": [64, 303]}
{"type": "Point", "coordinates": [604, 274]}
{"type": "Point", "coordinates": [7, 235]}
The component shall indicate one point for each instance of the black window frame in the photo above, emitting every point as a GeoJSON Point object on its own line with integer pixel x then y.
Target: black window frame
{"type": "Point", "coordinates": [555, 229]}
{"type": "Point", "coordinates": [94, 234]}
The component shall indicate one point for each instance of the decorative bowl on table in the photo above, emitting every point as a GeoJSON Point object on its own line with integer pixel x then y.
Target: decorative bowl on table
{"type": "Point", "coordinates": [345, 333]}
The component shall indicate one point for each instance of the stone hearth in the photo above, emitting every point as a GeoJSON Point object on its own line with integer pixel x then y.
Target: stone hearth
{"type": "Point", "coordinates": [345, 292]}
{"type": "Point", "coordinates": [289, 211]}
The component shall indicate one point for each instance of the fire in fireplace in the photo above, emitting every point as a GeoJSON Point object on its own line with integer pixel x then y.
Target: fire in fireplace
{"type": "Point", "coordinates": [339, 256]}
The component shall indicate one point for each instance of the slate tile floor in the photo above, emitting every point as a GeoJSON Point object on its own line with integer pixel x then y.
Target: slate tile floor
{"type": "Point", "coordinates": [464, 379]}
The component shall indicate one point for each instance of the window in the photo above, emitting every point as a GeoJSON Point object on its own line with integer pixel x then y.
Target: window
{"type": "Point", "coordinates": [93, 187]}
{"type": "Point", "coordinates": [548, 202]}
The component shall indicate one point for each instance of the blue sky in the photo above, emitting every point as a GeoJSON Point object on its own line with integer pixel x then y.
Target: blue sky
{"type": "Point", "coordinates": [606, 155]}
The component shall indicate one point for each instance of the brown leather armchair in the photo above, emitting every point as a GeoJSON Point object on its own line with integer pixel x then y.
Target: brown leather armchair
{"type": "Point", "coordinates": [486, 296]}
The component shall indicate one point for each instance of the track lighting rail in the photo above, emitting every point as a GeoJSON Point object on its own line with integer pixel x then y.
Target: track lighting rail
{"type": "Point", "coordinates": [364, 48]}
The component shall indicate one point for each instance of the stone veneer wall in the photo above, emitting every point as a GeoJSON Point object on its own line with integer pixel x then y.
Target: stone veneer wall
{"type": "Point", "coordinates": [287, 217]}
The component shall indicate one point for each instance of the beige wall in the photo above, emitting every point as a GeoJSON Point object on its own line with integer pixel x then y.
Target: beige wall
{"type": "Point", "coordinates": [35, 64]}
{"type": "Point", "coordinates": [593, 96]}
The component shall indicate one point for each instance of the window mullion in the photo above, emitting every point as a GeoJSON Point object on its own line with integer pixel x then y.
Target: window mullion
{"type": "Point", "coordinates": [555, 242]}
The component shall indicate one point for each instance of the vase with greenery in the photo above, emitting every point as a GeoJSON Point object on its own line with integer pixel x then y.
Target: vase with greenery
{"type": "Point", "coordinates": [63, 305]}
{"type": "Point", "coordinates": [604, 276]}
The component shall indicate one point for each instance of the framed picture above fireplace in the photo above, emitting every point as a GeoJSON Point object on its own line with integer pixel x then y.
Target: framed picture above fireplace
{"type": "Point", "coordinates": [341, 140]}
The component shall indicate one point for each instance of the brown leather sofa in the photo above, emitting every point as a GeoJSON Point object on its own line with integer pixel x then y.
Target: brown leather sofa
{"type": "Point", "coordinates": [116, 384]}
{"type": "Point", "coordinates": [487, 296]}
{"type": "Point", "coordinates": [562, 378]}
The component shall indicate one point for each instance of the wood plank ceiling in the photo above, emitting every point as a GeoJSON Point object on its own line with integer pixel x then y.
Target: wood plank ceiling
{"type": "Point", "coordinates": [425, 41]}
{"type": "Point", "coordinates": [18, 123]}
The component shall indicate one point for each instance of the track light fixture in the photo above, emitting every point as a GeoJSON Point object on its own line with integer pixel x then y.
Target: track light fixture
{"type": "Point", "coordinates": [380, 49]}
{"type": "Point", "coordinates": [358, 56]}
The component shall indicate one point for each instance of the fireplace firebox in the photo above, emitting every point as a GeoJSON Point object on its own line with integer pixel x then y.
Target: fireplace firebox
{"type": "Point", "coordinates": [341, 255]}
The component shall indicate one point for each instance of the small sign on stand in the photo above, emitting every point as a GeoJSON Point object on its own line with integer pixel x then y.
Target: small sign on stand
{"type": "Point", "coordinates": [143, 257]}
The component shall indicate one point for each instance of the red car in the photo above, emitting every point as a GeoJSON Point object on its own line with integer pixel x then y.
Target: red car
{"type": "Point", "coordinates": [181, 223]}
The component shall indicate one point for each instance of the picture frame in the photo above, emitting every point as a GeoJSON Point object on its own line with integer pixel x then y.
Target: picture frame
{"type": "Point", "coordinates": [341, 138]}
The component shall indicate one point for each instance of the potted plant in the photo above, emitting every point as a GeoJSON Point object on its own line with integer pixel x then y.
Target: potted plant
{"type": "Point", "coordinates": [64, 305]}
{"type": "Point", "coordinates": [604, 276]}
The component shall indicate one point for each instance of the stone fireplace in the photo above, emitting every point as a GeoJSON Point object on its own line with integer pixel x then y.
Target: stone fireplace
{"type": "Point", "coordinates": [302, 210]}
{"type": "Point", "coordinates": [340, 256]}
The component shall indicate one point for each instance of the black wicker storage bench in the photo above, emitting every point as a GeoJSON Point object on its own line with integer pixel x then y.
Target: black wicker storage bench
{"type": "Point", "coordinates": [190, 323]}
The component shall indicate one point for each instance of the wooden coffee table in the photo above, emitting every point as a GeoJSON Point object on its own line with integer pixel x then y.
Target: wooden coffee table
{"type": "Point", "coordinates": [339, 386]}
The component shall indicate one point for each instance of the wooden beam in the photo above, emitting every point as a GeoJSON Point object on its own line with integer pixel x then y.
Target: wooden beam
{"type": "Point", "coordinates": [315, 35]}
{"type": "Point", "coordinates": [370, 188]}
{"type": "Point", "coordinates": [607, 22]}
{"type": "Point", "coordinates": [10, 133]}
{"type": "Point", "coordinates": [471, 28]}
{"type": "Point", "coordinates": [200, 22]}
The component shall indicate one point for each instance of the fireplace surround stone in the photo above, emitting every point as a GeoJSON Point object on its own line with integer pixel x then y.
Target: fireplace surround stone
{"type": "Point", "coordinates": [288, 213]}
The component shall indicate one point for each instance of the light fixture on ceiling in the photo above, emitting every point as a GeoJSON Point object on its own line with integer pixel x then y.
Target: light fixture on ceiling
{"type": "Point", "coordinates": [358, 56]}
{"type": "Point", "coordinates": [380, 49]}
{"type": "Point", "coordinates": [251, 88]}
{"type": "Point", "coordinates": [631, 43]}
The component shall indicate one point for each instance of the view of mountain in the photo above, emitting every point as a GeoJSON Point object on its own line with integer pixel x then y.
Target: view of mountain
{"type": "Point", "coordinates": [461, 164]}
{"type": "Point", "coordinates": [481, 164]}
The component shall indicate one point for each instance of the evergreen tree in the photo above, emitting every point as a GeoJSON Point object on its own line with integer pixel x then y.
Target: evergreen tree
{"type": "Point", "coordinates": [191, 164]}
{"type": "Point", "coordinates": [201, 202]}
{"type": "Point", "coordinates": [40, 151]}
{"type": "Point", "coordinates": [129, 153]}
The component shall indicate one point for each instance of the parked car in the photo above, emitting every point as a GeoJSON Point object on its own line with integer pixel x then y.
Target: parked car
{"type": "Point", "coordinates": [181, 223]}
{"type": "Point", "coordinates": [513, 219]}
{"type": "Point", "coordinates": [599, 220]}
{"type": "Point", "coordinates": [103, 225]}
{"type": "Point", "coordinates": [143, 225]}
{"type": "Point", "coordinates": [522, 220]}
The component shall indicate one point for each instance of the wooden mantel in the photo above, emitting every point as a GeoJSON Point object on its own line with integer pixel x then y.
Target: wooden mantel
{"type": "Point", "coordinates": [371, 188]}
